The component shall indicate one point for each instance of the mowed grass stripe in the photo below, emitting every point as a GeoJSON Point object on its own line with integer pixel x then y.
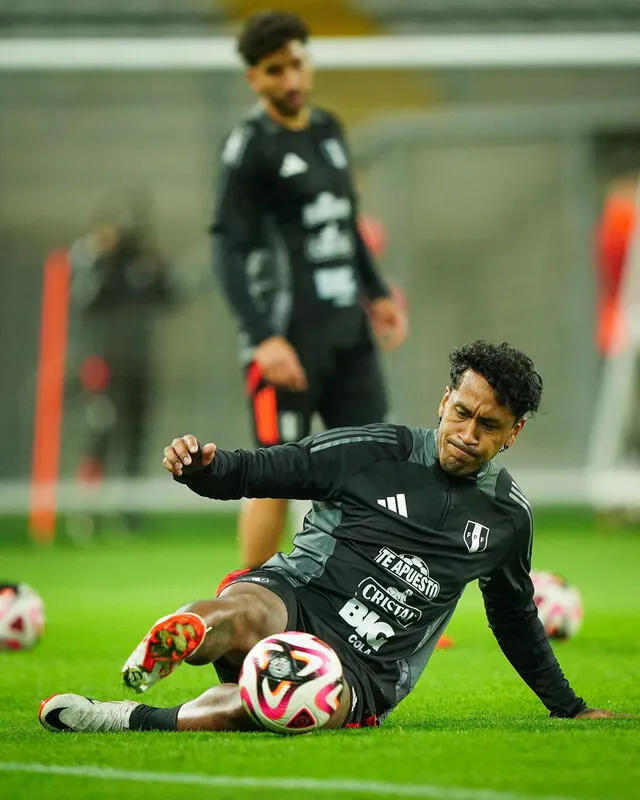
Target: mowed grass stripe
{"type": "Point", "coordinates": [284, 784]}
{"type": "Point", "coordinates": [471, 724]}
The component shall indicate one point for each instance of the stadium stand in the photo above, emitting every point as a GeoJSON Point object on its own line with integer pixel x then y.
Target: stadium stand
{"type": "Point", "coordinates": [412, 16]}
{"type": "Point", "coordinates": [112, 17]}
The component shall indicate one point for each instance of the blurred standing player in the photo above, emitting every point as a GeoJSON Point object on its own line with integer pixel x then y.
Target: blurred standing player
{"type": "Point", "coordinates": [614, 232]}
{"type": "Point", "coordinates": [293, 265]}
{"type": "Point", "coordinates": [119, 283]}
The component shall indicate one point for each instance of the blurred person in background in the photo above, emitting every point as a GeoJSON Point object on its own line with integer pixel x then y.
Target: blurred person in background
{"type": "Point", "coordinates": [615, 230]}
{"type": "Point", "coordinates": [294, 266]}
{"type": "Point", "coordinates": [119, 282]}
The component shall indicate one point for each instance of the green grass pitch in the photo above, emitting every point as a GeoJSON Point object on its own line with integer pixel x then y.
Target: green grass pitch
{"type": "Point", "coordinates": [471, 730]}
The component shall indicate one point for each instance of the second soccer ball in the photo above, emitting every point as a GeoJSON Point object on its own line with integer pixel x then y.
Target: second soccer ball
{"type": "Point", "coordinates": [21, 617]}
{"type": "Point", "coordinates": [559, 604]}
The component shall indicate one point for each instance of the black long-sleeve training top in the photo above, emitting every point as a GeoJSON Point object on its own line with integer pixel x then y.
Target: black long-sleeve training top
{"type": "Point", "coordinates": [288, 251]}
{"type": "Point", "coordinates": [389, 546]}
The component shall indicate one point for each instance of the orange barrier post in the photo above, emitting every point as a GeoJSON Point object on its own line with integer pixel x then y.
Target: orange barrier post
{"type": "Point", "coordinates": [49, 401]}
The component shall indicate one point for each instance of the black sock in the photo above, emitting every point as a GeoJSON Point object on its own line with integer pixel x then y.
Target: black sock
{"type": "Point", "coordinates": [150, 718]}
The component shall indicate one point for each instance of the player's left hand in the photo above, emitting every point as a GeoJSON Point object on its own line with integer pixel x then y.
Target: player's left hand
{"type": "Point", "coordinates": [389, 322]}
{"type": "Point", "coordinates": [602, 713]}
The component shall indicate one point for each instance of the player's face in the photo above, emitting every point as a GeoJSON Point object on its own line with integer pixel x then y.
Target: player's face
{"type": "Point", "coordinates": [474, 427]}
{"type": "Point", "coordinates": [284, 79]}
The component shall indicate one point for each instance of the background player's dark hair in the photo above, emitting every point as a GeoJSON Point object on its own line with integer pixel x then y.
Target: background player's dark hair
{"type": "Point", "coordinates": [265, 33]}
{"type": "Point", "coordinates": [509, 371]}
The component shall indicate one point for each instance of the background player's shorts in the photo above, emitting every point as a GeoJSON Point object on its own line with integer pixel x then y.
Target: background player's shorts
{"type": "Point", "coordinates": [345, 388]}
{"type": "Point", "coordinates": [363, 713]}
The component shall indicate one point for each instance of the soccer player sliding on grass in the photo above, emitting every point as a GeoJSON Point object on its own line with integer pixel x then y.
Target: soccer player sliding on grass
{"type": "Point", "coordinates": [403, 518]}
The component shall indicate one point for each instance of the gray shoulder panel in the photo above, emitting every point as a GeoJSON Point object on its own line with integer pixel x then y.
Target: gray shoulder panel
{"type": "Point", "coordinates": [487, 479]}
{"type": "Point", "coordinates": [260, 117]}
{"type": "Point", "coordinates": [380, 432]}
{"type": "Point", "coordinates": [496, 481]}
{"type": "Point", "coordinates": [313, 545]}
{"type": "Point", "coordinates": [517, 496]}
{"type": "Point", "coordinates": [236, 145]}
{"type": "Point", "coordinates": [424, 446]}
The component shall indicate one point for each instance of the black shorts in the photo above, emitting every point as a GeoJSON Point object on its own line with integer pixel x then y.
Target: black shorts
{"type": "Point", "coordinates": [345, 388]}
{"type": "Point", "coordinates": [363, 706]}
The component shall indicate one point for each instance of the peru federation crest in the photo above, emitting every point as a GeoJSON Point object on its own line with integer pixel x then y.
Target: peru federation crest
{"type": "Point", "coordinates": [476, 537]}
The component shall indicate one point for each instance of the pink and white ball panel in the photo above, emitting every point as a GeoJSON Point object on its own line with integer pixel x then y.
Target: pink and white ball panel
{"type": "Point", "coordinates": [291, 682]}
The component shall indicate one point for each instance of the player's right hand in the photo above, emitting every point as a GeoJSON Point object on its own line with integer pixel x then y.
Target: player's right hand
{"type": "Point", "coordinates": [280, 365]}
{"type": "Point", "coordinates": [185, 452]}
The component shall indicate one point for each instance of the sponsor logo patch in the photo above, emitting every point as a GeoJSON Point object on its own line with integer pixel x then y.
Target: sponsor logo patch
{"type": "Point", "coordinates": [410, 569]}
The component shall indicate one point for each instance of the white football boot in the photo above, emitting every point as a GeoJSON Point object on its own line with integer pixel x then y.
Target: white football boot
{"type": "Point", "coordinates": [73, 712]}
{"type": "Point", "coordinates": [169, 642]}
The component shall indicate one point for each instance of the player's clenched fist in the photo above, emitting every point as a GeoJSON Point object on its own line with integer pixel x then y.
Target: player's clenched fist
{"type": "Point", "coordinates": [186, 452]}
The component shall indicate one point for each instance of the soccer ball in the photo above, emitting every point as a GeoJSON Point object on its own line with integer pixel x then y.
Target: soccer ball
{"type": "Point", "coordinates": [559, 604]}
{"type": "Point", "coordinates": [291, 682]}
{"type": "Point", "coordinates": [21, 617]}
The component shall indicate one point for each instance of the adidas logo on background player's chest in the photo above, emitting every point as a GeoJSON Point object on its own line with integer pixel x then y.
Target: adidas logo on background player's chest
{"type": "Point", "coordinates": [312, 166]}
{"type": "Point", "coordinates": [292, 165]}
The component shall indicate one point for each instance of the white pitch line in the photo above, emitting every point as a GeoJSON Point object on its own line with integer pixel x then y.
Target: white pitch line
{"type": "Point", "coordinates": [308, 784]}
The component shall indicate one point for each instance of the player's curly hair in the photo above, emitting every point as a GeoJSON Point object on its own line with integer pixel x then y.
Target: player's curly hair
{"type": "Point", "coordinates": [509, 371]}
{"type": "Point", "coordinates": [264, 33]}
